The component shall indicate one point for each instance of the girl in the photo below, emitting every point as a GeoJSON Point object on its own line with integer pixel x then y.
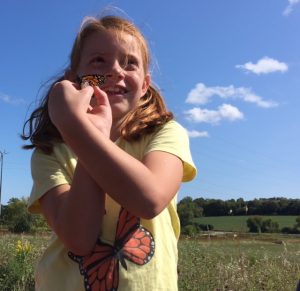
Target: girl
{"type": "Point", "coordinates": [107, 164]}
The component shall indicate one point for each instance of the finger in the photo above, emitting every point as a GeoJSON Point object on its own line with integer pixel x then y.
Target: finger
{"type": "Point", "coordinates": [87, 90]}
{"type": "Point", "coordinates": [64, 84]}
{"type": "Point", "coordinates": [101, 96]}
{"type": "Point", "coordinates": [76, 85]}
{"type": "Point", "coordinates": [87, 93]}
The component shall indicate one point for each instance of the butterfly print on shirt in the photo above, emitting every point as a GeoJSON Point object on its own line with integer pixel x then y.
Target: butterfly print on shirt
{"type": "Point", "coordinates": [132, 242]}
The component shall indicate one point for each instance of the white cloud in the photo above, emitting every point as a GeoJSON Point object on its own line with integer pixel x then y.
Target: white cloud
{"type": "Point", "coordinates": [288, 10]}
{"type": "Point", "coordinates": [8, 99]}
{"type": "Point", "coordinates": [196, 133]}
{"type": "Point", "coordinates": [202, 95]}
{"type": "Point", "coordinates": [265, 65]}
{"type": "Point", "coordinates": [224, 112]}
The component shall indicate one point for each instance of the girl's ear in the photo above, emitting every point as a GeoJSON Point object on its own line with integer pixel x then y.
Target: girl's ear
{"type": "Point", "coordinates": [70, 75]}
{"type": "Point", "coordinates": [146, 84]}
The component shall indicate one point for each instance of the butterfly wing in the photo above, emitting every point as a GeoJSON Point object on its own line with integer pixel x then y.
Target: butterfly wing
{"type": "Point", "coordinates": [92, 80]}
{"type": "Point", "coordinates": [134, 242]}
{"type": "Point", "coordinates": [127, 224]}
{"type": "Point", "coordinates": [100, 268]}
{"type": "Point", "coordinates": [140, 248]}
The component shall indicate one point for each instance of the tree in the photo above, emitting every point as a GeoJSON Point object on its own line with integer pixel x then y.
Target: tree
{"type": "Point", "coordinates": [185, 211]}
{"type": "Point", "coordinates": [186, 215]}
{"type": "Point", "coordinates": [270, 207]}
{"type": "Point", "coordinates": [200, 202]}
{"type": "Point", "coordinates": [297, 222]}
{"type": "Point", "coordinates": [18, 219]}
{"type": "Point", "coordinates": [215, 207]}
{"type": "Point", "coordinates": [293, 207]}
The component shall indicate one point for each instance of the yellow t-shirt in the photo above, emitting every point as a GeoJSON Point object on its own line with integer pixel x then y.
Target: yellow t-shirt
{"type": "Point", "coordinates": [57, 271]}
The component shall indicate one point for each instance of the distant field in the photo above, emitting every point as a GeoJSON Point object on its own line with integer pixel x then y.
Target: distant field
{"type": "Point", "coordinates": [238, 223]}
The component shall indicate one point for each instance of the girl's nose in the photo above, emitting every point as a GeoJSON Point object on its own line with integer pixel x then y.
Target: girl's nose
{"type": "Point", "coordinates": [116, 72]}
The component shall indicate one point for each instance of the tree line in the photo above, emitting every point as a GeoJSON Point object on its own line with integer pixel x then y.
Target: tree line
{"type": "Point", "coordinates": [190, 209]}
{"type": "Point", "coordinates": [16, 218]}
{"type": "Point", "coordinates": [262, 206]}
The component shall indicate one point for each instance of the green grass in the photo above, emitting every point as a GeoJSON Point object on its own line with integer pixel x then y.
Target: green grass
{"type": "Point", "coordinates": [238, 223]}
{"type": "Point", "coordinates": [269, 262]}
{"type": "Point", "coordinates": [239, 264]}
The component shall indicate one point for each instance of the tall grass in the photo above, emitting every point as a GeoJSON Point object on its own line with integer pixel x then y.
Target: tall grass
{"type": "Point", "coordinates": [18, 255]}
{"type": "Point", "coordinates": [238, 265]}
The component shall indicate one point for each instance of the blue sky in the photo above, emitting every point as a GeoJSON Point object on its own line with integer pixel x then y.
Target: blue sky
{"type": "Point", "coordinates": [229, 71]}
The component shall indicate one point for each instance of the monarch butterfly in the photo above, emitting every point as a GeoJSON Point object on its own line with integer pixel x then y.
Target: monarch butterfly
{"type": "Point", "coordinates": [92, 80]}
{"type": "Point", "coordinates": [132, 242]}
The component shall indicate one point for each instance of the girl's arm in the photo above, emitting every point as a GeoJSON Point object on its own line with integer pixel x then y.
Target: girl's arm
{"type": "Point", "coordinates": [75, 212]}
{"type": "Point", "coordinates": [144, 188]}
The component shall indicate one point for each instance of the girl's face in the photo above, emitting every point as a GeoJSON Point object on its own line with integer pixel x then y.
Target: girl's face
{"type": "Point", "coordinates": [119, 58]}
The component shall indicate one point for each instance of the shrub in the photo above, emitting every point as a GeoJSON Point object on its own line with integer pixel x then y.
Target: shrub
{"type": "Point", "coordinates": [290, 230]}
{"type": "Point", "coordinates": [19, 220]}
{"type": "Point", "coordinates": [20, 224]}
{"type": "Point", "coordinates": [257, 224]}
{"type": "Point", "coordinates": [269, 226]}
{"type": "Point", "coordinates": [189, 230]}
{"type": "Point", "coordinates": [254, 224]}
{"type": "Point", "coordinates": [203, 227]}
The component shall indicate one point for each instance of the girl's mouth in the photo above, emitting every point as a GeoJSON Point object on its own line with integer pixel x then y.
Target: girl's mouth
{"type": "Point", "coordinates": [115, 90]}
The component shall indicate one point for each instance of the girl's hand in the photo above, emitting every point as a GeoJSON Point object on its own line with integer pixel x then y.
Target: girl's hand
{"type": "Point", "coordinates": [68, 105]}
{"type": "Point", "coordinates": [99, 112]}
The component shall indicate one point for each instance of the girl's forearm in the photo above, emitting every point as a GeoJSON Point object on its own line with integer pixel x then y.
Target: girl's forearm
{"type": "Point", "coordinates": [75, 212]}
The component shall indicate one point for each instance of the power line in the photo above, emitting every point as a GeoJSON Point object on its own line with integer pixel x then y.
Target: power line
{"type": "Point", "coordinates": [2, 153]}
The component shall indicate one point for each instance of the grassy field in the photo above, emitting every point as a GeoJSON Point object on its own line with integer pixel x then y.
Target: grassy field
{"type": "Point", "coordinates": [238, 223]}
{"type": "Point", "coordinates": [261, 262]}
{"type": "Point", "coordinates": [271, 263]}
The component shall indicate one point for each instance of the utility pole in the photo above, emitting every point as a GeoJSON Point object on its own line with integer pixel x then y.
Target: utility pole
{"type": "Point", "coordinates": [2, 153]}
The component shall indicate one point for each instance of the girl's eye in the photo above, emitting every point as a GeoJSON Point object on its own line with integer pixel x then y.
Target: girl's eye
{"type": "Point", "coordinates": [132, 63]}
{"type": "Point", "coordinates": [97, 60]}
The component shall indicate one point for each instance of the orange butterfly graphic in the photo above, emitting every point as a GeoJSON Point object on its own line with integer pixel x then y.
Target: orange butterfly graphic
{"type": "Point", "coordinates": [132, 242]}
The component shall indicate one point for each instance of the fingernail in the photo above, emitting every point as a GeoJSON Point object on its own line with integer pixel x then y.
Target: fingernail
{"type": "Point", "coordinates": [85, 84]}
